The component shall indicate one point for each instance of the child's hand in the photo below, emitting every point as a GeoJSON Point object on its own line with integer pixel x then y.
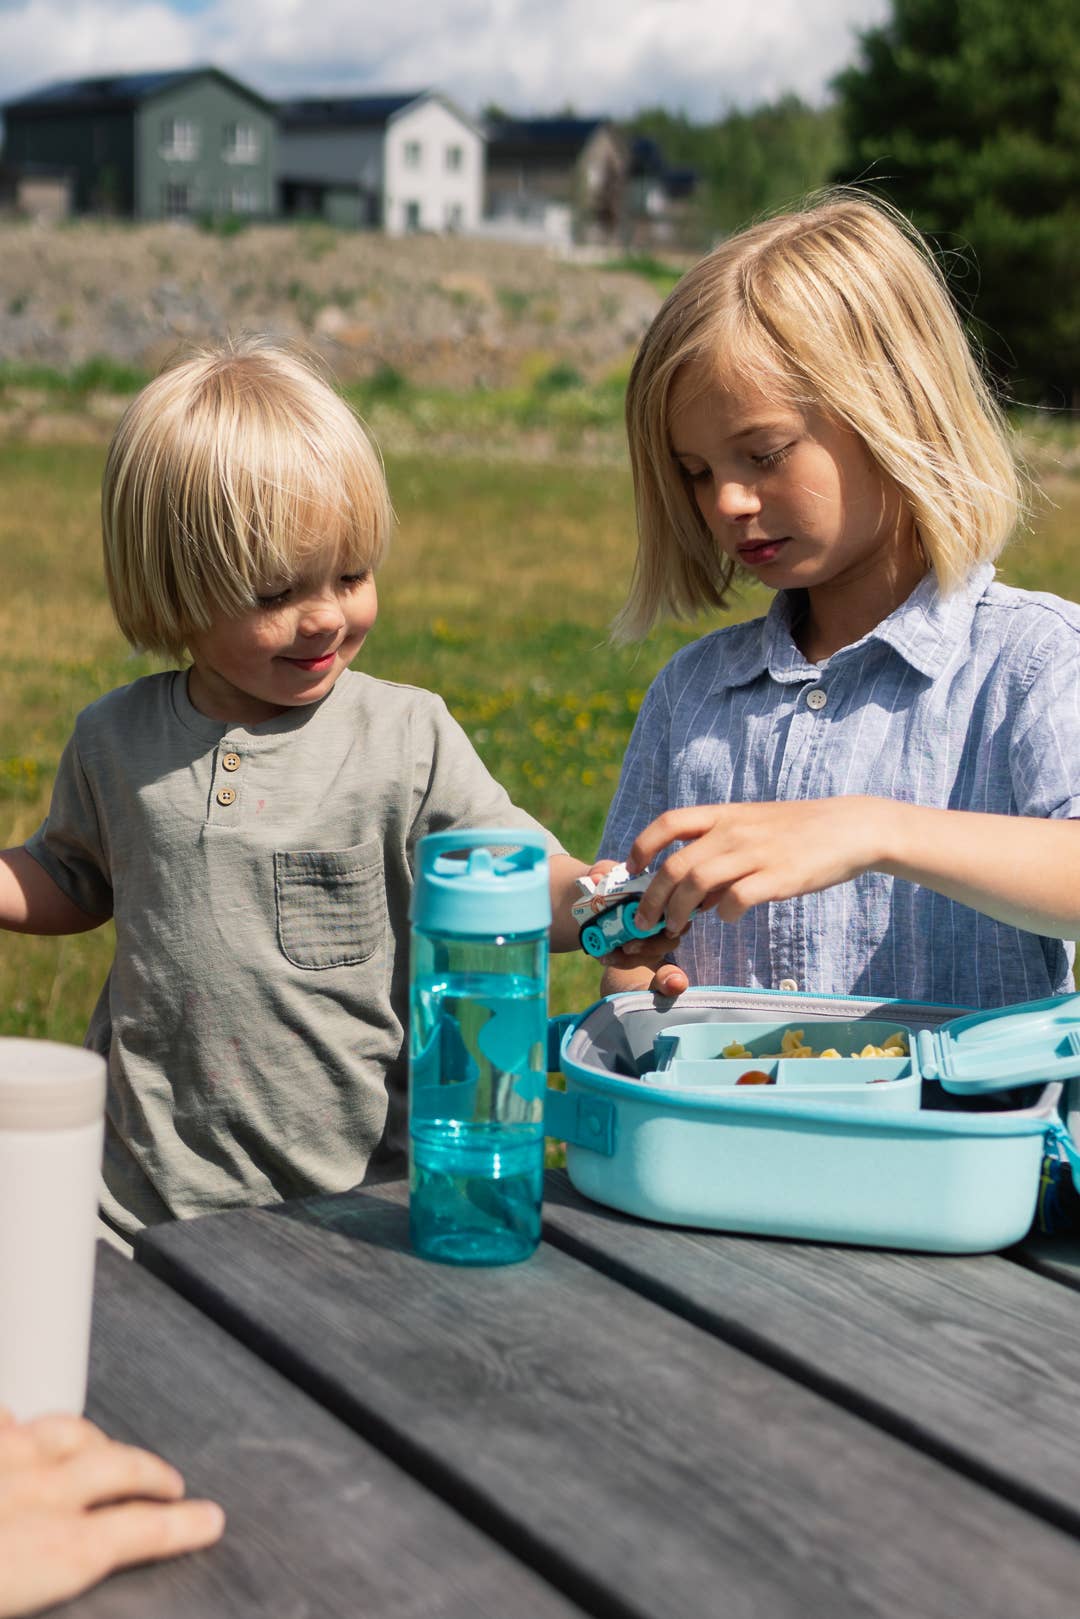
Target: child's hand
{"type": "Point", "coordinates": [75, 1505]}
{"type": "Point", "coordinates": [601, 869]}
{"type": "Point", "coordinates": [641, 965]}
{"type": "Point", "coordinates": [668, 980]}
{"type": "Point", "coordinates": [738, 855]}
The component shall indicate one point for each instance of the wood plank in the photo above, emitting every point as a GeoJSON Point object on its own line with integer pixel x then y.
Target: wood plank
{"type": "Point", "coordinates": [1056, 1257]}
{"type": "Point", "coordinates": [638, 1462]}
{"type": "Point", "coordinates": [319, 1523]}
{"type": "Point", "coordinates": [973, 1359]}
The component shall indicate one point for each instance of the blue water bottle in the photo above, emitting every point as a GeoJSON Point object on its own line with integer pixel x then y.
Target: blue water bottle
{"type": "Point", "coordinates": [481, 912]}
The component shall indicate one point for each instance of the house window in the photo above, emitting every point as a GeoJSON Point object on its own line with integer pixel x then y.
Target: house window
{"type": "Point", "coordinates": [413, 154]}
{"type": "Point", "coordinates": [241, 144]}
{"type": "Point", "coordinates": [179, 139]}
{"type": "Point", "coordinates": [243, 200]}
{"type": "Point", "coordinates": [176, 201]}
{"type": "Point", "coordinates": [455, 159]}
{"type": "Point", "coordinates": [412, 216]}
{"type": "Point", "coordinates": [455, 216]}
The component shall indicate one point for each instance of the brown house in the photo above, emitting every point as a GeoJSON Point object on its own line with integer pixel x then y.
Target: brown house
{"type": "Point", "coordinates": [558, 168]}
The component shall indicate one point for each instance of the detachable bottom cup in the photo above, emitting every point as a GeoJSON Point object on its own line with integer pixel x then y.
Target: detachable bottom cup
{"type": "Point", "coordinates": [52, 1104]}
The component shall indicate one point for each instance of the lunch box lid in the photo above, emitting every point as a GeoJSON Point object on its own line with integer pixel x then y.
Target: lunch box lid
{"type": "Point", "coordinates": [1012, 1045]}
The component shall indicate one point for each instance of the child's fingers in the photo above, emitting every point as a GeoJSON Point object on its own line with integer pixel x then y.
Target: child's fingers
{"type": "Point", "coordinates": [29, 1447]}
{"type": "Point", "coordinates": [674, 826]}
{"type": "Point", "coordinates": [141, 1531]}
{"type": "Point", "coordinates": [670, 980]}
{"type": "Point", "coordinates": [58, 1436]}
{"type": "Point", "coordinates": [111, 1472]}
{"type": "Point", "coordinates": [49, 1557]}
{"type": "Point", "coordinates": [675, 893]}
{"type": "Point", "coordinates": [601, 868]}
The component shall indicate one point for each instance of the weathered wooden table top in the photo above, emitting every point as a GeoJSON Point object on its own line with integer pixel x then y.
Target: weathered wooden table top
{"type": "Point", "coordinates": [638, 1421]}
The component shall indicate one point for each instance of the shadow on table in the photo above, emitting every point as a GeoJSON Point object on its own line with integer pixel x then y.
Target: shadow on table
{"type": "Point", "coordinates": [379, 1216]}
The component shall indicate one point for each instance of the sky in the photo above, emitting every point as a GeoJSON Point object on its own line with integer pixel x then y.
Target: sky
{"type": "Point", "coordinates": [600, 57]}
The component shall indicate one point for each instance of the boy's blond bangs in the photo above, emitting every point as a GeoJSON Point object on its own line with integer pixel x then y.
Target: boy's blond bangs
{"type": "Point", "coordinates": [840, 306]}
{"type": "Point", "coordinates": [227, 475]}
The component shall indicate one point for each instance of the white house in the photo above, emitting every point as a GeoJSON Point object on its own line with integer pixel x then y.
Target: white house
{"type": "Point", "coordinates": [400, 162]}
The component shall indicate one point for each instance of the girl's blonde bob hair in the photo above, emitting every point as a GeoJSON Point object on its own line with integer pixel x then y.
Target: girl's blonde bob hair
{"type": "Point", "coordinates": [229, 473]}
{"type": "Point", "coordinates": [839, 306]}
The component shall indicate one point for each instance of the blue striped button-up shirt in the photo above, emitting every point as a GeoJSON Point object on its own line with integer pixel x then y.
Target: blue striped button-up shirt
{"type": "Point", "coordinates": [969, 701]}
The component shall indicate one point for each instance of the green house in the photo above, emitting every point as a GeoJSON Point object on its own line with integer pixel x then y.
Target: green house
{"type": "Point", "coordinates": [150, 145]}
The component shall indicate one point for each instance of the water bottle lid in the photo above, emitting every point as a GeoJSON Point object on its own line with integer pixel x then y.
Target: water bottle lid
{"type": "Point", "coordinates": [45, 1085]}
{"type": "Point", "coordinates": [482, 883]}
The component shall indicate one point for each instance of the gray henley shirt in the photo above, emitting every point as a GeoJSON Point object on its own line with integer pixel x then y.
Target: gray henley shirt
{"type": "Point", "coordinates": [259, 876]}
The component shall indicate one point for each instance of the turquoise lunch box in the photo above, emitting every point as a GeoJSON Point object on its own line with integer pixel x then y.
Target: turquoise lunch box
{"type": "Point", "coordinates": [935, 1147]}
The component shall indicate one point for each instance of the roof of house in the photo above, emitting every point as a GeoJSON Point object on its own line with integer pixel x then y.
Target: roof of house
{"type": "Point", "coordinates": [357, 112]}
{"type": "Point", "coordinates": [343, 112]}
{"type": "Point", "coordinates": [647, 161]}
{"type": "Point", "coordinates": [540, 140]}
{"type": "Point", "coordinates": [118, 92]}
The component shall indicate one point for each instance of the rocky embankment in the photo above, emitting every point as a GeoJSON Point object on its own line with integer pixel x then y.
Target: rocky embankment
{"type": "Point", "coordinates": [443, 312]}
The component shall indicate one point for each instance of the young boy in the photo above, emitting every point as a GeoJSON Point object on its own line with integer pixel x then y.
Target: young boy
{"type": "Point", "coordinates": [250, 822]}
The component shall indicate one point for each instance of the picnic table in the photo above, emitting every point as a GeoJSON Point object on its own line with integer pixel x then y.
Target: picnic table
{"type": "Point", "coordinates": [638, 1421]}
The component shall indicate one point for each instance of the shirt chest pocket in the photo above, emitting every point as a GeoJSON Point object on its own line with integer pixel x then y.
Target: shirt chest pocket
{"type": "Point", "coordinates": [331, 905]}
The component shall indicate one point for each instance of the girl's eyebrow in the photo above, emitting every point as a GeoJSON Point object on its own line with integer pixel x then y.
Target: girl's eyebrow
{"type": "Point", "coordinates": [765, 425]}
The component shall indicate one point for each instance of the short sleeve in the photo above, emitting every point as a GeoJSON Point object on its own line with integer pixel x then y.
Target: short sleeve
{"type": "Point", "coordinates": [69, 844]}
{"type": "Point", "coordinates": [453, 789]}
{"type": "Point", "coordinates": [1045, 754]}
{"type": "Point", "coordinates": [644, 787]}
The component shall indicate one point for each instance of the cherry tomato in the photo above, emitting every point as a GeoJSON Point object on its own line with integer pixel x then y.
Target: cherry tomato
{"type": "Point", "coordinates": [754, 1076]}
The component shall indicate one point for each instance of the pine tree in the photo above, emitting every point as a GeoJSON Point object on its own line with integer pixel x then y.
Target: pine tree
{"type": "Point", "coordinates": [966, 115]}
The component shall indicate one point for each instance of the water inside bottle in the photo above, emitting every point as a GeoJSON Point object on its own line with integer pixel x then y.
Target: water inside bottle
{"type": "Point", "coordinates": [476, 1117]}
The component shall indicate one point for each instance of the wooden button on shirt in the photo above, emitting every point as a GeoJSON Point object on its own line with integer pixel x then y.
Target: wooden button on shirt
{"type": "Point", "coordinates": [226, 795]}
{"type": "Point", "coordinates": [231, 761]}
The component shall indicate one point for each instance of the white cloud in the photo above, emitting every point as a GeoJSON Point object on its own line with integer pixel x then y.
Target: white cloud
{"type": "Point", "coordinates": [599, 56]}
{"type": "Point", "coordinates": [42, 40]}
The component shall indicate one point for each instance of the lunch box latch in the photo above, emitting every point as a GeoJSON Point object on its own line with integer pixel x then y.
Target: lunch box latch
{"type": "Point", "coordinates": [581, 1121]}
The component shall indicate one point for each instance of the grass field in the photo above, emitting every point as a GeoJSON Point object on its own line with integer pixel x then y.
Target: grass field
{"type": "Point", "coordinates": [502, 581]}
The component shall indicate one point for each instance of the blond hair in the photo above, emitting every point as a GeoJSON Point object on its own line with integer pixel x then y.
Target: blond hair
{"type": "Point", "coordinates": [226, 474]}
{"type": "Point", "coordinates": [841, 306]}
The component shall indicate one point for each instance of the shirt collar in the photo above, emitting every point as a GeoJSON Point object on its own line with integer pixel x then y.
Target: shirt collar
{"type": "Point", "coordinates": [924, 630]}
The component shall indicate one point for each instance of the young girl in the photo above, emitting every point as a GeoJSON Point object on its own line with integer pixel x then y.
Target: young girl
{"type": "Point", "coordinates": [871, 789]}
{"type": "Point", "coordinates": [249, 822]}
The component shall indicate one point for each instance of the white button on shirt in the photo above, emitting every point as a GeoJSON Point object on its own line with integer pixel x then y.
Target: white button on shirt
{"type": "Point", "coordinates": [788, 985]}
{"type": "Point", "coordinates": [816, 698]}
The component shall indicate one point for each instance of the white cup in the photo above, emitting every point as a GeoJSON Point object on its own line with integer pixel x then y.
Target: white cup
{"type": "Point", "coordinates": [52, 1108]}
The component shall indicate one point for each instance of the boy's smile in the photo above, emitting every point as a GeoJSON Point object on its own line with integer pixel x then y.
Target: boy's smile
{"type": "Point", "coordinates": [311, 664]}
{"type": "Point", "coordinates": [286, 651]}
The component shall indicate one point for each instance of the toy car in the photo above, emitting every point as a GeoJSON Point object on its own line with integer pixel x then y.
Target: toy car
{"type": "Point", "coordinates": [607, 910]}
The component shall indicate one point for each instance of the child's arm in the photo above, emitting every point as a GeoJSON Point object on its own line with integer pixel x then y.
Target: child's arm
{"type": "Point", "coordinates": [564, 871]}
{"type": "Point", "coordinates": [1021, 870]}
{"type": "Point", "coordinates": [30, 902]}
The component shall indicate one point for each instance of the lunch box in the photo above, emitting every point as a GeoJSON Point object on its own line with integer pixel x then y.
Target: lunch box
{"type": "Point", "coordinates": [937, 1149]}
